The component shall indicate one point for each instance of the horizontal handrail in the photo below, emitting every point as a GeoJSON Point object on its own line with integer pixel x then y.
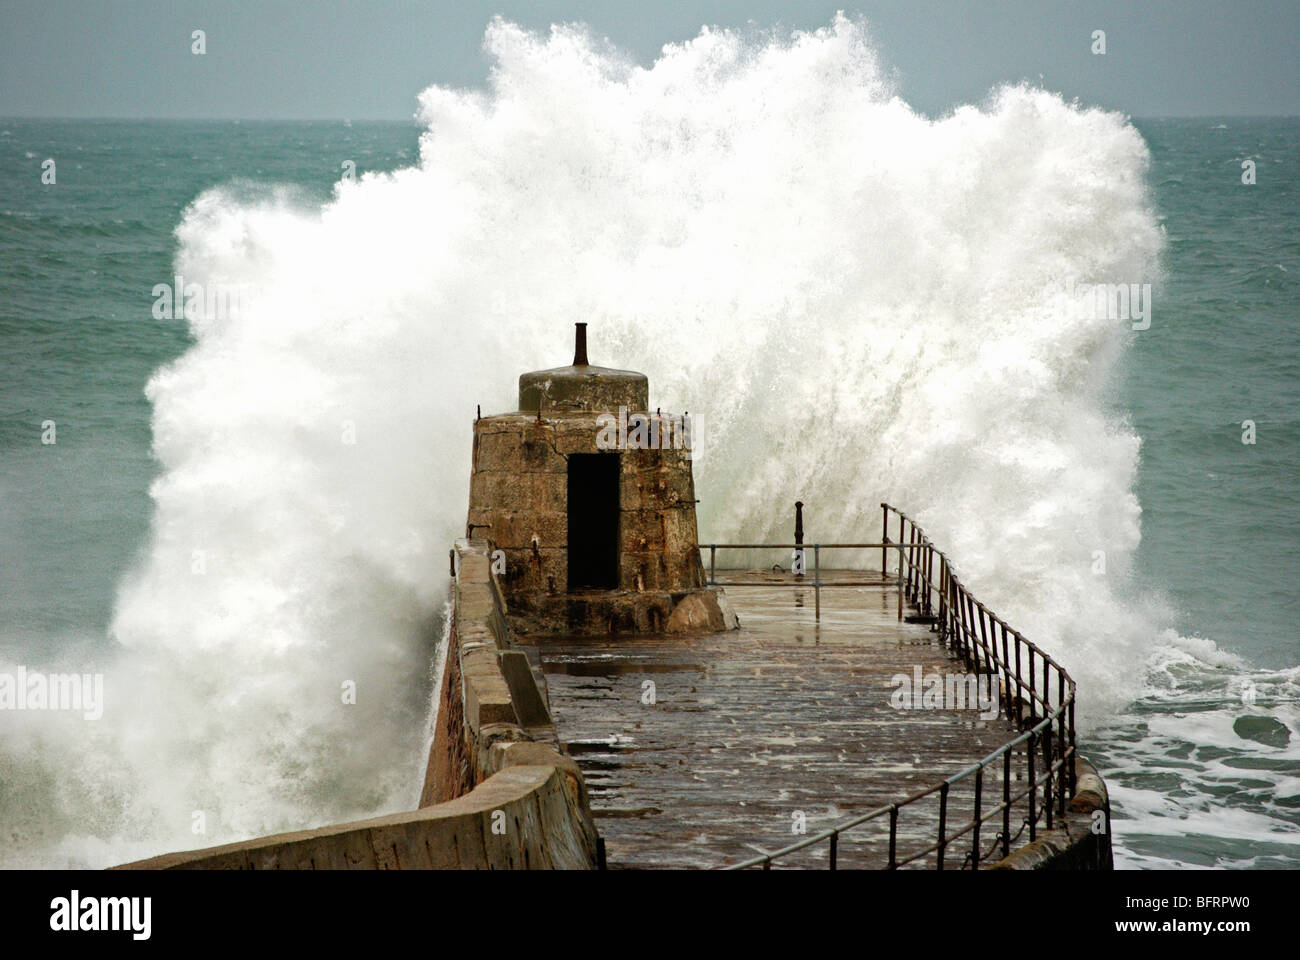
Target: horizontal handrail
{"type": "Point", "coordinates": [801, 546]}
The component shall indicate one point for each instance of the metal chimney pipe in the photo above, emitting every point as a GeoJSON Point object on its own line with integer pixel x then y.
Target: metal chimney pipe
{"type": "Point", "coordinates": [580, 345]}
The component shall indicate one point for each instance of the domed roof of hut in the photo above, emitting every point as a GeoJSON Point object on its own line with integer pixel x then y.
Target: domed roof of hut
{"type": "Point", "coordinates": [580, 387]}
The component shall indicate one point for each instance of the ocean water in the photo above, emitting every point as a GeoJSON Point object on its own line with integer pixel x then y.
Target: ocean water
{"type": "Point", "coordinates": [247, 508]}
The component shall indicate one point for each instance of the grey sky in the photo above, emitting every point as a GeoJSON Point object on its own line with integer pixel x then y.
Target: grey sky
{"type": "Point", "coordinates": [293, 59]}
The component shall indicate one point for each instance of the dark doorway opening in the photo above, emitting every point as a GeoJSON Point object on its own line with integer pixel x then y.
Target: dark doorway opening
{"type": "Point", "coordinates": [593, 521]}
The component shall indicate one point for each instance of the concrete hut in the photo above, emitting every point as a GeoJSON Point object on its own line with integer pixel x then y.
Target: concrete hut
{"type": "Point", "coordinates": [587, 500]}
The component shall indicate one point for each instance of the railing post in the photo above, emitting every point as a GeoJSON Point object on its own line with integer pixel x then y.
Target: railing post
{"type": "Point", "coordinates": [943, 597]}
{"type": "Point", "coordinates": [954, 603]}
{"type": "Point", "coordinates": [1006, 674]}
{"type": "Point", "coordinates": [834, 843]}
{"type": "Point", "coordinates": [817, 580]}
{"type": "Point", "coordinates": [943, 822]}
{"type": "Point", "coordinates": [911, 567]}
{"type": "Point", "coordinates": [1061, 740]}
{"type": "Point", "coordinates": [713, 562]}
{"type": "Point", "coordinates": [893, 837]}
{"type": "Point", "coordinates": [1006, 803]}
{"type": "Point", "coordinates": [1073, 747]}
{"type": "Point", "coordinates": [975, 830]}
{"type": "Point", "coordinates": [1030, 747]}
{"type": "Point", "coordinates": [965, 625]}
{"type": "Point", "coordinates": [937, 572]}
{"type": "Point", "coordinates": [913, 573]}
{"type": "Point", "coordinates": [922, 575]}
{"type": "Point", "coordinates": [967, 628]}
{"type": "Point", "coordinates": [970, 610]}
{"type": "Point", "coordinates": [899, 548]}
{"type": "Point", "coordinates": [884, 539]}
{"type": "Point", "coordinates": [901, 541]}
{"type": "Point", "coordinates": [798, 535]}
{"type": "Point", "coordinates": [929, 579]}
{"type": "Point", "coordinates": [1020, 686]}
{"type": "Point", "coordinates": [1047, 771]}
{"type": "Point", "coordinates": [984, 640]}
{"type": "Point", "coordinates": [907, 579]}
{"type": "Point", "coordinates": [1033, 684]}
{"type": "Point", "coordinates": [918, 581]}
{"type": "Point", "coordinates": [954, 614]}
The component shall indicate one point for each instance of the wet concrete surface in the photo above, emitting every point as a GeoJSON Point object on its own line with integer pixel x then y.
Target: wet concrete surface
{"type": "Point", "coordinates": [743, 735]}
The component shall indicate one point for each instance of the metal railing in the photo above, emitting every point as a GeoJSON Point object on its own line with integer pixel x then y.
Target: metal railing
{"type": "Point", "coordinates": [817, 583]}
{"type": "Point", "coordinates": [1040, 760]}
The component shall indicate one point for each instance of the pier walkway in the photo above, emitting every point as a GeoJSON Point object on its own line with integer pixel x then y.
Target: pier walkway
{"type": "Point", "coordinates": [743, 732]}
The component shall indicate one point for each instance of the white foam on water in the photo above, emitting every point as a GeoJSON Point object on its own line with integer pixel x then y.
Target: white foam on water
{"type": "Point", "coordinates": [1205, 765]}
{"type": "Point", "coordinates": [860, 302]}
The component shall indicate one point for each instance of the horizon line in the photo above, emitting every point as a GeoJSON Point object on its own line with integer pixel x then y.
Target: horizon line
{"type": "Point", "coordinates": [412, 120]}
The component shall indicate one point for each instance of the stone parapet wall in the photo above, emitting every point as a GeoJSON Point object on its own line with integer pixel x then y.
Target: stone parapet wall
{"type": "Point", "coordinates": [544, 828]}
